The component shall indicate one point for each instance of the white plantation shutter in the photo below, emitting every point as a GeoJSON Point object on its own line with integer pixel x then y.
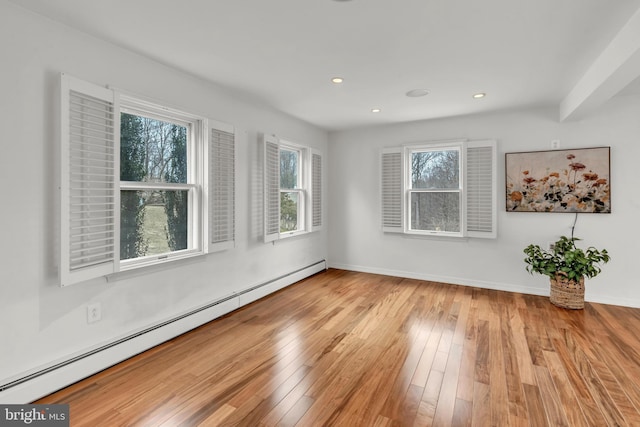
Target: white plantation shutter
{"type": "Point", "coordinates": [89, 188]}
{"type": "Point", "coordinates": [392, 190]}
{"type": "Point", "coordinates": [271, 188]}
{"type": "Point", "coordinates": [481, 188]}
{"type": "Point", "coordinates": [221, 187]}
{"type": "Point", "coordinates": [316, 190]}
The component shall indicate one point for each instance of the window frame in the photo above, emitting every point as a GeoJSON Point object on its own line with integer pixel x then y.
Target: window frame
{"type": "Point", "coordinates": [195, 178]}
{"type": "Point", "coordinates": [300, 188]}
{"type": "Point", "coordinates": [409, 190]}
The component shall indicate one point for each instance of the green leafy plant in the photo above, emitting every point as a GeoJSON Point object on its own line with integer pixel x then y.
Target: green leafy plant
{"type": "Point", "coordinates": [565, 258]}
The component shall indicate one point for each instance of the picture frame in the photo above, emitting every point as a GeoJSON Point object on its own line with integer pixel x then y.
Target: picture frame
{"type": "Point", "coordinates": [568, 181]}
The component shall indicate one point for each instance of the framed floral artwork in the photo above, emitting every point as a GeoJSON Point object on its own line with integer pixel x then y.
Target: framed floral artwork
{"type": "Point", "coordinates": [575, 180]}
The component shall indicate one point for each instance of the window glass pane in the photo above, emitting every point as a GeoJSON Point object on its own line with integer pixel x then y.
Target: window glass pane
{"type": "Point", "coordinates": [435, 169]}
{"type": "Point", "coordinates": [153, 222]}
{"type": "Point", "coordinates": [288, 211]}
{"type": "Point", "coordinates": [288, 168]}
{"type": "Point", "coordinates": [152, 150]}
{"type": "Point", "coordinates": [434, 211]}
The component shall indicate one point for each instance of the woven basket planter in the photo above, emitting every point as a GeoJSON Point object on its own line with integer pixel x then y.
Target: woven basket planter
{"type": "Point", "coordinates": [567, 293]}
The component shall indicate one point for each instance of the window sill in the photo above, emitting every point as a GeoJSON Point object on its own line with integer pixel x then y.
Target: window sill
{"type": "Point", "coordinates": [435, 236]}
{"type": "Point", "coordinates": [290, 234]}
{"type": "Point", "coordinates": [152, 264]}
{"type": "Point", "coordinates": [425, 233]}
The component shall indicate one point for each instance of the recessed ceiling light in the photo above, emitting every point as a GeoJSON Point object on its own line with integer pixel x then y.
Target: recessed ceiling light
{"type": "Point", "coordinates": [479, 95]}
{"type": "Point", "coordinates": [375, 110]}
{"type": "Point", "coordinates": [414, 93]}
{"type": "Point", "coordinates": [337, 80]}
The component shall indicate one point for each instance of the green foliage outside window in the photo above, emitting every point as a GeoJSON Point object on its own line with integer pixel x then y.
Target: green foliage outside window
{"type": "Point", "coordinates": [176, 201]}
{"type": "Point", "coordinates": [152, 151]}
{"type": "Point", "coordinates": [132, 168]}
{"type": "Point", "coordinates": [288, 212]}
{"type": "Point", "coordinates": [289, 163]}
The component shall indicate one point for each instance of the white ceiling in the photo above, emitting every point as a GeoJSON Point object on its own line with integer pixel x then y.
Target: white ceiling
{"type": "Point", "coordinates": [284, 52]}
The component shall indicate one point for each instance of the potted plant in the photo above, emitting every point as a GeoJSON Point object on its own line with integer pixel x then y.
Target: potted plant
{"type": "Point", "coordinates": [567, 266]}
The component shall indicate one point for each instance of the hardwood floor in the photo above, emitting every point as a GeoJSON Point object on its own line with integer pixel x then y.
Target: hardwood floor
{"type": "Point", "coordinates": [353, 349]}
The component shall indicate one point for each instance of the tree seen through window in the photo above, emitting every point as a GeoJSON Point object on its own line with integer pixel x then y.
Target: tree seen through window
{"type": "Point", "coordinates": [435, 194]}
{"type": "Point", "coordinates": [289, 190]}
{"type": "Point", "coordinates": [153, 220]}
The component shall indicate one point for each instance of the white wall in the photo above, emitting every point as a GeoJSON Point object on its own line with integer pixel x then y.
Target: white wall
{"type": "Point", "coordinates": [40, 322]}
{"type": "Point", "coordinates": [357, 242]}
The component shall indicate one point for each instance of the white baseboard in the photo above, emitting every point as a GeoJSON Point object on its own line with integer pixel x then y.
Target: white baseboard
{"type": "Point", "coordinates": [607, 299]}
{"type": "Point", "coordinates": [97, 359]}
{"type": "Point", "coordinates": [590, 297]}
{"type": "Point", "coordinates": [279, 283]}
{"type": "Point", "coordinates": [443, 279]}
{"type": "Point", "coordinates": [60, 374]}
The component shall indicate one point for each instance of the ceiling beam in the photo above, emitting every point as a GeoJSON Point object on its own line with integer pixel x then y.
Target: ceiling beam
{"type": "Point", "coordinates": [616, 67]}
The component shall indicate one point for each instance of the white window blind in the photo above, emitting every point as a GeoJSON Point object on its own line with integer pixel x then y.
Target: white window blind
{"type": "Point", "coordinates": [221, 188]}
{"type": "Point", "coordinates": [89, 166]}
{"type": "Point", "coordinates": [392, 190]}
{"type": "Point", "coordinates": [316, 190]}
{"type": "Point", "coordinates": [271, 188]}
{"type": "Point", "coordinates": [480, 189]}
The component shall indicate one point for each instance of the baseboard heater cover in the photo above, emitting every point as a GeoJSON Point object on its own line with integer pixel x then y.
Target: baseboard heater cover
{"type": "Point", "coordinates": [47, 380]}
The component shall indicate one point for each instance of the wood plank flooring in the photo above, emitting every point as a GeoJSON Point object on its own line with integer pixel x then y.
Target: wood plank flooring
{"type": "Point", "coordinates": [353, 349]}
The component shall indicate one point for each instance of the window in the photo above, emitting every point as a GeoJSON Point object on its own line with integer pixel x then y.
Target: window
{"type": "Point", "coordinates": [141, 184]}
{"type": "Point", "coordinates": [441, 189]}
{"type": "Point", "coordinates": [292, 189]}
{"type": "Point", "coordinates": [160, 185]}
{"type": "Point", "coordinates": [435, 190]}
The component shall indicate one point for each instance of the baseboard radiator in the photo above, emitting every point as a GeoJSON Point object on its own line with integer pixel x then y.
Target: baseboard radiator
{"type": "Point", "coordinates": [44, 381]}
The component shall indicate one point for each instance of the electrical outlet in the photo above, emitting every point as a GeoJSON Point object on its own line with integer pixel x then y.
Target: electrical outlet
{"type": "Point", "coordinates": [555, 144]}
{"type": "Point", "coordinates": [94, 312]}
